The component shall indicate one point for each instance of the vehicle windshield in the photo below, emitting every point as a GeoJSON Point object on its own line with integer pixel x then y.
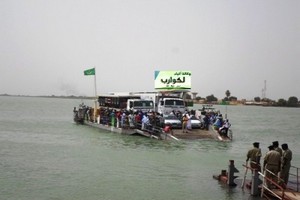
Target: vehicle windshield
{"type": "Point", "coordinates": [173, 102]}
{"type": "Point", "coordinates": [143, 103]}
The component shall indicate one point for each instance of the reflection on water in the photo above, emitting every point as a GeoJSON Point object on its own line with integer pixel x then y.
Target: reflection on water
{"type": "Point", "coordinates": [142, 143]}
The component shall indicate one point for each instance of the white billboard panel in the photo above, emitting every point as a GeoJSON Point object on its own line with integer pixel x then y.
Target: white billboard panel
{"type": "Point", "coordinates": [172, 80]}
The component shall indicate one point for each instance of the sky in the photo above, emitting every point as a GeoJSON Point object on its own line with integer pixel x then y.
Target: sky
{"type": "Point", "coordinates": [45, 45]}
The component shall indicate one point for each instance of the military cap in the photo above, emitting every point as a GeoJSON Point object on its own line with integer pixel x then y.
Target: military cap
{"type": "Point", "coordinates": [256, 144]}
{"type": "Point", "coordinates": [275, 143]}
{"type": "Point", "coordinates": [284, 146]}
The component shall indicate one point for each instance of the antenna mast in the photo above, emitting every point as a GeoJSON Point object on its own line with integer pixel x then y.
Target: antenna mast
{"type": "Point", "coordinates": [264, 90]}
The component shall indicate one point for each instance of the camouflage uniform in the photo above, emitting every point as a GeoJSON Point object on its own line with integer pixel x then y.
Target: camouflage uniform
{"type": "Point", "coordinates": [254, 156]}
{"type": "Point", "coordinates": [272, 163]}
{"type": "Point", "coordinates": [286, 164]}
{"type": "Point", "coordinates": [279, 150]}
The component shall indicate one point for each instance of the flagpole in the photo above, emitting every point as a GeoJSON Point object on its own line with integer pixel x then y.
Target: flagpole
{"type": "Point", "coordinates": [95, 101]}
{"type": "Point", "coordinates": [95, 84]}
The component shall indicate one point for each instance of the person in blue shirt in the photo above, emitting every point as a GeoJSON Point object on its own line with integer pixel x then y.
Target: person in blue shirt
{"type": "Point", "coordinates": [219, 122]}
{"type": "Point", "coordinates": [224, 129]}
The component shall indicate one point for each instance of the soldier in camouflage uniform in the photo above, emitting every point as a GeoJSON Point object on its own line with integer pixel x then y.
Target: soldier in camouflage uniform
{"type": "Point", "coordinates": [285, 163]}
{"type": "Point", "coordinates": [254, 155]}
{"type": "Point", "coordinates": [277, 148]}
{"type": "Point", "coordinates": [272, 163]}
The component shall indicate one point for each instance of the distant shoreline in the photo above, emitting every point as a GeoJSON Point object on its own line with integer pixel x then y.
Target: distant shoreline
{"type": "Point", "coordinates": [49, 96]}
{"type": "Point", "coordinates": [252, 103]}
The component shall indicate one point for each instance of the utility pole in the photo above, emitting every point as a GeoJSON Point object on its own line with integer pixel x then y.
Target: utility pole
{"type": "Point", "coordinates": [264, 90]}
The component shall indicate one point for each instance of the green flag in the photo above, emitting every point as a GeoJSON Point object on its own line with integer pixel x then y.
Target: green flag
{"type": "Point", "coordinates": [89, 72]}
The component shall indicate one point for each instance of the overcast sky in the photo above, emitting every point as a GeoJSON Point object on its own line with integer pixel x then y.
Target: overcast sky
{"type": "Point", "coordinates": [45, 45]}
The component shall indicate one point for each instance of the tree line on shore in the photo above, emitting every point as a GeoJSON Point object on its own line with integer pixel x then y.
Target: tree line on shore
{"type": "Point", "coordinates": [290, 102]}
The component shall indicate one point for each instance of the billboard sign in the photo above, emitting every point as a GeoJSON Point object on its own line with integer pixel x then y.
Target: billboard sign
{"type": "Point", "coordinates": [172, 80]}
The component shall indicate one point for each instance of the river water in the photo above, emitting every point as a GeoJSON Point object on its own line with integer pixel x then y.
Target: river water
{"type": "Point", "coordinates": [44, 155]}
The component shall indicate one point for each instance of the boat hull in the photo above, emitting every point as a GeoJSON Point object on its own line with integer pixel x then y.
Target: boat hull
{"type": "Point", "coordinates": [220, 137]}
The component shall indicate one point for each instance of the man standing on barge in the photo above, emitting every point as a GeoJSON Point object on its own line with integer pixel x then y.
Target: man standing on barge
{"type": "Point", "coordinates": [254, 156]}
{"type": "Point", "coordinates": [272, 163]}
{"type": "Point", "coordinates": [286, 163]}
{"type": "Point", "coordinates": [277, 148]}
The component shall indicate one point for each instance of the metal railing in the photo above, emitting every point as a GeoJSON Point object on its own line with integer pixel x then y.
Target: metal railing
{"type": "Point", "coordinates": [296, 175]}
{"type": "Point", "coordinates": [267, 182]}
{"type": "Point", "coordinates": [271, 182]}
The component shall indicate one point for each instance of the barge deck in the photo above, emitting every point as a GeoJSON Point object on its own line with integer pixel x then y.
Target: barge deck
{"type": "Point", "coordinates": [177, 133]}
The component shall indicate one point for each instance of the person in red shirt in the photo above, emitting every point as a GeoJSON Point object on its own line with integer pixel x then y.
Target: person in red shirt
{"type": "Point", "coordinates": [168, 129]}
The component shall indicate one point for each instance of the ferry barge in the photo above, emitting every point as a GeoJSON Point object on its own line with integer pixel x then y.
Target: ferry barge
{"type": "Point", "coordinates": [120, 114]}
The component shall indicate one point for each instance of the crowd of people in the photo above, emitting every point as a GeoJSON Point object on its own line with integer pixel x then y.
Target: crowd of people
{"type": "Point", "coordinates": [147, 120]}
{"type": "Point", "coordinates": [128, 118]}
{"type": "Point", "coordinates": [276, 162]}
{"type": "Point", "coordinates": [216, 119]}
{"type": "Point", "coordinates": [132, 119]}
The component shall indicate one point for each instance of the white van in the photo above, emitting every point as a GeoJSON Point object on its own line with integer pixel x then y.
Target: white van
{"type": "Point", "coordinates": [167, 105]}
{"type": "Point", "coordinates": [144, 105]}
